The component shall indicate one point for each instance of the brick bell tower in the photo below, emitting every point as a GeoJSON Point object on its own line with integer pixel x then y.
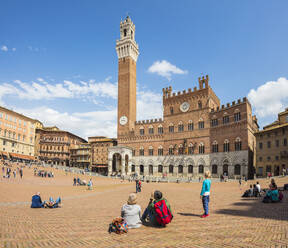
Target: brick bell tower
{"type": "Point", "coordinates": [127, 51]}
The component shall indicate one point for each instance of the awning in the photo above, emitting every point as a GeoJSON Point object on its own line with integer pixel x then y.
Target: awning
{"type": "Point", "coordinates": [100, 166]}
{"type": "Point", "coordinates": [4, 154]}
{"type": "Point", "coordinates": [22, 156]}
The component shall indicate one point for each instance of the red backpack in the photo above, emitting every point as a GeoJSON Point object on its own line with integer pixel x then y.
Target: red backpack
{"type": "Point", "coordinates": [163, 213]}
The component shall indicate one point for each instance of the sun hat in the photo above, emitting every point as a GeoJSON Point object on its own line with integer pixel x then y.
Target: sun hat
{"type": "Point", "coordinates": [132, 199]}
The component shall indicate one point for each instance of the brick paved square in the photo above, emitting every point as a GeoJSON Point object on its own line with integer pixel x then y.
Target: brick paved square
{"type": "Point", "coordinates": [83, 220]}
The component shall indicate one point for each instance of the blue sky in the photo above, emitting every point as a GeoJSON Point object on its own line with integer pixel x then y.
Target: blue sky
{"type": "Point", "coordinates": [58, 61]}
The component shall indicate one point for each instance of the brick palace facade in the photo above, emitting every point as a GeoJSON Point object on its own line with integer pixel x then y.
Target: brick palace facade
{"type": "Point", "coordinates": [196, 132]}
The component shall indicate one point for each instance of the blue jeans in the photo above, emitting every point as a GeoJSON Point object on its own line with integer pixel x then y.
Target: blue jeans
{"type": "Point", "coordinates": [205, 201]}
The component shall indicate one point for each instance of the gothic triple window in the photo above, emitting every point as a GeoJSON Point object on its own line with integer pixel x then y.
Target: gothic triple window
{"type": "Point", "coordinates": [171, 150]}
{"type": "Point", "coordinates": [141, 151]}
{"type": "Point", "coordinates": [214, 122]}
{"type": "Point", "coordinates": [151, 130]}
{"type": "Point", "coordinates": [225, 119]}
{"type": "Point", "coordinates": [190, 149]}
{"type": "Point", "coordinates": [171, 128]}
{"type": "Point", "coordinates": [201, 148]}
{"type": "Point", "coordinates": [180, 149]}
{"type": "Point", "coordinates": [150, 151]}
{"type": "Point", "coordinates": [160, 129]}
{"type": "Point", "coordinates": [226, 146]}
{"type": "Point", "coordinates": [201, 124]}
{"type": "Point", "coordinates": [180, 127]}
{"type": "Point", "coordinates": [237, 116]}
{"type": "Point", "coordinates": [215, 146]}
{"type": "Point", "coordinates": [160, 151]}
{"type": "Point", "coordinates": [190, 125]}
{"type": "Point", "coordinates": [141, 131]}
{"type": "Point", "coordinates": [238, 145]}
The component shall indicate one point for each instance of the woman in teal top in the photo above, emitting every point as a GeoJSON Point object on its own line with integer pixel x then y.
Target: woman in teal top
{"type": "Point", "coordinates": [205, 194]}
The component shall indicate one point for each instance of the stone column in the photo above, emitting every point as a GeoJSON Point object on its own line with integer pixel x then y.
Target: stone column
{"type": "Point", "coordinates": [110, 160]}
{"type": "Point", "coordinates": [185, 170]}
{"type": "Point", "coordinates": [230, 171]}
{"type": "Point", "coordinates": [122, 165]}
{"type": "Point", "coordinates": [129, 166]}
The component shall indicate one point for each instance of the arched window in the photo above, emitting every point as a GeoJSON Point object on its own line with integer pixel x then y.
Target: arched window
{"type": "Point", "coordinates": [190, 169]}
{"type": "Point", "coordinates": [180, 149]}
{"type": "Point", "coordinates": [214, 168]}
{"type": "Point", "coordinates": [150, 150]}
{"type": "Point", "coordinates": [133, 168]}
{"type": "Point", "coordinates": [238, 145]}
{"type": "Point", "coordinates": [180, 126]}
{"type": "Point", "coordinates": [141, 151]}
{"type": "Point", "coordinates": [171, 128]}
{"type": "Point", "coordinates": [225, 118]}
{"type": "Point", "coordinates": [190, 149]}
{"type": "Point", "coordinates": [171, 110]}
{"type": "Point", "coordinates": [237, 115]}
{"type": "Point", "coordinates": [201, 148]}
{"type": "Point", "coordinates": [160, 129]}
{"type": "Point", "coordinates": [199, 104]}
{"type": "Point", "coordinates": [150, 169]}
{"type": "Point", "coordinates": [226, 146]}
{"type": "Point", "coordinates": [171, 150]}
{"type": "Point", "coordinates": [215, 146]}
{"type": "Point", "coordinates": [200, 123]}
{"type": "Point", "coordinates": [180, 169]}
{"type": "Point", "coordinates": [190, 125]}
{"type": "Point", "coordinates": [160, 151]}
{"type": "Point", "coordinates": [141, 169]}
{"type": "Point", "coordinates": [141, 130]}
{"type": "Point", "coordinates": [201, 169]}
{"type": "Point", "coordinates": [151, 129]}
{"type": "Point", "coordinates": [160, 168]}
{"type": "Point", "coordinates": [171, 168]}
{"type": "Point", "coordinates": [237, 169]}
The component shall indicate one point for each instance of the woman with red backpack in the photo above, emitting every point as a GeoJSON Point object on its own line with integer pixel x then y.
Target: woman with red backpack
{"type": "Point", "coordinates": [158, 211]}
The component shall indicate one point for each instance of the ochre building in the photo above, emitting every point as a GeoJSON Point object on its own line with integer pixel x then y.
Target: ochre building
{"type": "Point", "coordinates": [196, 133]}
{"type": "Point", "coordinates": [17, 136]}
{"type": "Point", "coordinates": [272, 147]}
{"type": "Point", "coordinates": [53, 145]}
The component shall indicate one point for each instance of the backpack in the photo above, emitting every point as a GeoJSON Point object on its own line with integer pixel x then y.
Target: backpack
{"type": "Point", "coordinates": [163, 213]}
{"type": "Point", "coordinates": [118, 226]}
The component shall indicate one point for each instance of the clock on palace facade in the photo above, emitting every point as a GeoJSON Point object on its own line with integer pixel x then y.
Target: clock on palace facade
{"type": "Point", "coordinates": [184, 107]}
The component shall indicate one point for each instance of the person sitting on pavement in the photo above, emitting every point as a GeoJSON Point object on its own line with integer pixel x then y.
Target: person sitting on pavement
{"type": "Point", "coordinates": [272, 195]}
{"type": "Point", "coordinates": [153, 210]}
{"type": "Point", "coordinates": [258, 187]}
{"type": "Point", "coordinates": [36, 201]}
{"type": "Point", "coordinates": [52, 204]}
{"type": "Point", "coordinates": [131, 212]}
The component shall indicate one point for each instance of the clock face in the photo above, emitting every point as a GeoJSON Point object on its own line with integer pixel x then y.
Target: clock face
{"type": "Point", "coordinates": [123, 120]}
{"type": "Point", "coordinates": [184, 107]}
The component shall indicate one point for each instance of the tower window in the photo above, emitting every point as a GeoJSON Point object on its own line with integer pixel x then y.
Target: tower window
{"type": "Point", "coordinates": [171, 110]}
{"type": "Point", "coordinates": [125, 32]}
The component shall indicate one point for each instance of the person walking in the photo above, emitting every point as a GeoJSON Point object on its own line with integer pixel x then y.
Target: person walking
{"type": "Point", "coordinates": [137, 185]}
{"type": "Point", "coordinates": [21, 173]}
{"type": "Point", "coordinates": [205, 194]}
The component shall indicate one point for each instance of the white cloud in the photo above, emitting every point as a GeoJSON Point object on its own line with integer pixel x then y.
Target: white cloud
{"type": "Point", "coordinates": [97, 123]}
{"type": "Point", "coordinates": [13, 49]}
{"type": "Point", "coordinates": [4, 48]}
{"type": "Point", "coordinates": [149, 105]}
{"type": "Point", "coordinates": [270, 98]}
{"type": "Point", "coordinates": [165, 69]}
{"type": "Point", "coordinates": [67, 89]}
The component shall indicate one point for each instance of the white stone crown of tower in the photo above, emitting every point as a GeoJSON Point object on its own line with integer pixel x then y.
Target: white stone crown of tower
{"type": "Point", "coordinates": [127, 45]}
